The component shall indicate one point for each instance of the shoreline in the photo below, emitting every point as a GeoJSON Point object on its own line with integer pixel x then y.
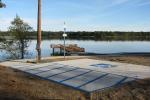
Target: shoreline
{"type": "Point", "coordinates": [143, 54]}
{"type": "Point", "coordinates": [118, 54]}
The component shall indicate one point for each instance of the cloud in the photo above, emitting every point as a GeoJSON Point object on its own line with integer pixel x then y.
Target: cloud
{"type": "Point", "coordinates": [114, 3]}
{"type": "Point", "coordinates": [75, 25]}
{"type": "Point", "coordinates": [4, 23]}
{"type": "Point", "coordinates": [85, 20]}
{"type": "Point", "coordinates": [119, 2]}
{"type": "Point", "coordinates": [144, 3]}
{"type": "Point", "coordinates": [135, 2]}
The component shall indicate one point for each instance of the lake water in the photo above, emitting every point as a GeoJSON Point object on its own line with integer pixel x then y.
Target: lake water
{"type": "Point", "coordinates": [102, 47]}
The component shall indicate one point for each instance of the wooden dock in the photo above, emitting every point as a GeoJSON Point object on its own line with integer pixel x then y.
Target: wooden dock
{"type": "Point", "coordinates": [70, 48]}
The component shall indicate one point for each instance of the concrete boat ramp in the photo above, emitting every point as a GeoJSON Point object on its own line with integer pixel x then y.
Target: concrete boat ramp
{"type": "Point", "coordinates": [81, 74]}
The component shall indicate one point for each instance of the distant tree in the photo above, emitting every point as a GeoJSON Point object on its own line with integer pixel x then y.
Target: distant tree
{"type": "Point", "coordinates": [2, 5]}
{"type": "Point", "coordinates": [19, 42]}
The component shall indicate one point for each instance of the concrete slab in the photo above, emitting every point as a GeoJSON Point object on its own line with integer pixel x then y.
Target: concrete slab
{"type": "Point", "coordinates": [81, 75]}
{"type": "Point", "coordinates": [25, 68]}
{"type": "Point", "coordinates": [15, 64]}
{"type": "Point", "coordinates": [80, 80]}
{"type": "Point", "coordinates": [42, 69]}
{"type": "Point", "coordinates": [68, 75]}
{"type": "Point", "coordinates": [102, 83]}
{"type": "Point", "coordinates": [128, 80]}
{"type": "Point", "coordinates": [125, 69]}
{"type": "Point", "coordinates": [55, 71]}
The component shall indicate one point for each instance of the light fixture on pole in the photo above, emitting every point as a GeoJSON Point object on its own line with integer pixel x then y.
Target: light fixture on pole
{"type": "Point", "coordinates": [64, 35]}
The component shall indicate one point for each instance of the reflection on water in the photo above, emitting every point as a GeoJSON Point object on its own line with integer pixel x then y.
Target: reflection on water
{"type": "Point", "coordinates": [93, 46]}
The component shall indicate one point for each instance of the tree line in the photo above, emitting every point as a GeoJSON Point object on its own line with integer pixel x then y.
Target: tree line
{"type": "Point", "coordinates": [83, 35]}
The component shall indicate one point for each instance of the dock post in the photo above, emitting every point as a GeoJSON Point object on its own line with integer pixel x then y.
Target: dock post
{"type": "Point", "coordinates": [53, 51]}
{"type": "Point", "coordinates": [60, 51]}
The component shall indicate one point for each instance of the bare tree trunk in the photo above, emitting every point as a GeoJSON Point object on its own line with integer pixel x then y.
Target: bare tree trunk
{"type": "Point", "coordinates": [22, 50]}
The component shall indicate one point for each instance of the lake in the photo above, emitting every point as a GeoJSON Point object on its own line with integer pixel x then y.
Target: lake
{"type": "Point", "coordinates": [91, 46]}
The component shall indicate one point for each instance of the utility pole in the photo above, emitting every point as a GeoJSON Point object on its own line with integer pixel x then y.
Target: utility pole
{"type": "Point", "coordinates": [39, 31]}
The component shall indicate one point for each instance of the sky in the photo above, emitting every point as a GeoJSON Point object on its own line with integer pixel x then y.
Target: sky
{"type": "Point", "coordinates": [80, 15]}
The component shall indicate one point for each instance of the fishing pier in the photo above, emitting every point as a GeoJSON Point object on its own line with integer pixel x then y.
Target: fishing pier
{"type": "Point", "coordinates": [69, 48]}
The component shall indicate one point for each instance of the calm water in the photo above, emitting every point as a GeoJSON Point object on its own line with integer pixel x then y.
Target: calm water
{"type": "Point", "coordinates": [93, 46]}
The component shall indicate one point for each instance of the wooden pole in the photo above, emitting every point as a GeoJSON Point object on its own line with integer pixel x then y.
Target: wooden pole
{"type": "Point", "coordinates": [39, 30]}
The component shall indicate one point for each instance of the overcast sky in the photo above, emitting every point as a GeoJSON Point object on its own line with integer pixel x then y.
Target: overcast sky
{"type": "Point", "coordinates": [81, 15]}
